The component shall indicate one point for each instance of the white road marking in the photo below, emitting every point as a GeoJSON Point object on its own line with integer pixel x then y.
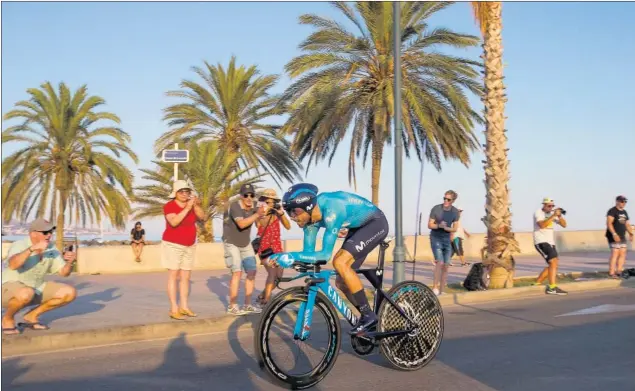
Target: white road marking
{"type": "Point", "coordinates": [601, 309]}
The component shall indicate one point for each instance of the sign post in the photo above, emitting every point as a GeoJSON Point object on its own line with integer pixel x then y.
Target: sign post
{"type": "Point", "coordinates": [176, 156]}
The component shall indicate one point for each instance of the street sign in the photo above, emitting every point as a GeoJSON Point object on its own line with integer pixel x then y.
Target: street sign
{"type": "Point", "coordinates": [176, 155]}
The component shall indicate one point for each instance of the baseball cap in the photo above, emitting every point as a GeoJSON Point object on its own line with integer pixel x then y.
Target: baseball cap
{"type": "Point", "coordinates": [179, 185]}
{"type": "Point", "coordinates": [621, 198]}
{"type": "Point", "coordinates": [41, 225]}
{"type": "Point", "coordinates": [547, 200]}
{"type": "Point", "coordinates": [247, 188]}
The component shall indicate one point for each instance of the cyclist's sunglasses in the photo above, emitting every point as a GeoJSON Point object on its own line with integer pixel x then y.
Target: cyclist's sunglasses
{"type": "Point", "coordinates": [49, 232]}
{"type": "Point", "coordinates": [249, 195]}
{"type": "Point", "coordinates": [448, 199]}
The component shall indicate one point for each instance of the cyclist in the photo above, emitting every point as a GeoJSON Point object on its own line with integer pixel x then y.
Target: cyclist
{"type": "Point", "coordinates": [367, 228]}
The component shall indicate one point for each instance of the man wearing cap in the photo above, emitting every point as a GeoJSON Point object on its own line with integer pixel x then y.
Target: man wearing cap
{"type": "Point", "coordinates": [27, 262]}
{"type": "Point", "coordinates": [617, 225]}
{"type": "Point", "coordinates": [544, 241]}
{"type": "Point", "coordinates": [239, 254]}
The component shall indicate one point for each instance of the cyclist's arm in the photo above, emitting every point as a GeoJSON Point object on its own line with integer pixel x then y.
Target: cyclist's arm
{"type": "Point", "coordinates": [310, 236]}
{"type": "Point", "coordinates": [329, 239]}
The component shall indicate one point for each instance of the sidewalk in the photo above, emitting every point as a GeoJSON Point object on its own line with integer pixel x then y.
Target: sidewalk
{"type": "Point", "coordinates": [136, 299]}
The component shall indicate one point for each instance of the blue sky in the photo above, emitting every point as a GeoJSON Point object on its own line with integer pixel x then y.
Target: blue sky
{"type": "Point", "coordinates": [568, 73]}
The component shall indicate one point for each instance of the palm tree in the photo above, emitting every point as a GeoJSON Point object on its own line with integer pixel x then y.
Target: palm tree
{"type": "Point", "coordinates": [501, 244]}
{"type": "Point", "coordinates": [345, 77]}
{"type": "Point", "coordinates": [230, 107]}
{"type": "Point", "coordinates": [64, 162]}
{"type": "Point", "coordinates": [210, 171]}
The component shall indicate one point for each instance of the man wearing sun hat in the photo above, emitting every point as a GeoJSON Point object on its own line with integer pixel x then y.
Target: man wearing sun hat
{"type": "Point", "coordinates": [544, 241]}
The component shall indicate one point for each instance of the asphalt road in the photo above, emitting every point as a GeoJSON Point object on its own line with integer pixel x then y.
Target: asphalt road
{"type": "Point", "coordinates": [513, 345]}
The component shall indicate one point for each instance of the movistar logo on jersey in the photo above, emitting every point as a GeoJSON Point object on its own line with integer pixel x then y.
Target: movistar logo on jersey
{"type": "Point", "coordinates": [363, 244]}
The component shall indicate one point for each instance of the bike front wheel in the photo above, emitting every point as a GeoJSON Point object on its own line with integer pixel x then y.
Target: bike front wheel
{"type": "Point", "coordinates": [279, 317]}
{"type": "Point", "coordinates": [414, 350]}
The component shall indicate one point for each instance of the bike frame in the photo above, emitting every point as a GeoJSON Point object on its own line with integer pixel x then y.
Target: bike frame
{"type": "Point", "coordinates": [318, 280]}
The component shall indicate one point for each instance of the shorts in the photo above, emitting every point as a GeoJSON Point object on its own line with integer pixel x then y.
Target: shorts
{"type": "Point", "coordinates": [359, 242]}
{"type": "Point", "coordinates": [239, 258]}
{"type": "Point", "coordinates": [441, 249]}
{"type": "Point", "coordinates": [9, 288]}
{"type": "Point", "coordinates": [457, 247]}
{"type": "Point", "coordinates": [176, 256]}
{"type": "Point", "coordinates": [618, 245]}
{"type": "Point", "coordinates": [548, 251]}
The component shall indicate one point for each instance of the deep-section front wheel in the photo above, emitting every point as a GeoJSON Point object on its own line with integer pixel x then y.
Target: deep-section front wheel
{"type": "Point", "coordinates": [281, 357]}
{"type": "Point", "coordinates": [416, 349]}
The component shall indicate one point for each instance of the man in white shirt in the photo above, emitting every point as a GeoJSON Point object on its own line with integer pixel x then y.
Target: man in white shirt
{"type": "Point", "coordinates": [544, 220]}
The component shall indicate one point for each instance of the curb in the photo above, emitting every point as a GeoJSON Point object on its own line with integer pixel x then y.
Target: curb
{"type": "Point", "coordinates": [451, 299]}
{"type": "Point", "coordinates": [26, 344]}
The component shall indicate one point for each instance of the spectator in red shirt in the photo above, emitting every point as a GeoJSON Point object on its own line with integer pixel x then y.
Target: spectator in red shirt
{"type": "Point", "coordinates": [179, 244]}
{"type": "Point", "coordinates": [271, 243]}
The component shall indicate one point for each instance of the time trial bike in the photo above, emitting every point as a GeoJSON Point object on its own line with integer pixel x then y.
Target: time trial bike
{"type": "Point", "coordinates": [408, 333]}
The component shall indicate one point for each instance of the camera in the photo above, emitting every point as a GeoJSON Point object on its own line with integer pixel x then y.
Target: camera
{"type": "Point", "coordinates": [276, 207]}
{"type": "Point", "coordinates": [564, 212]}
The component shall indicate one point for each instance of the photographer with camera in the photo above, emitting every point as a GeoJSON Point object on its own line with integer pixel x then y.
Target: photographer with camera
{"type": "Point", "coordinates": [544, 220]}
{"type": "Point", "coordinates": [270, 242]}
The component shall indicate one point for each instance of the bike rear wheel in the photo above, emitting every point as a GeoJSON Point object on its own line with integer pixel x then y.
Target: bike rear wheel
{"type": "Point", "coordinates": [414, 350]}
{"type": "Point", "coordinates": [284, 306]}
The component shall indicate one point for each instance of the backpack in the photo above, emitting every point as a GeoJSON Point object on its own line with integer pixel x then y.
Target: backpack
{"type": "Point", "coordinates": [628, 273]}
{"type": "Point", "coordinates": [474, 281]}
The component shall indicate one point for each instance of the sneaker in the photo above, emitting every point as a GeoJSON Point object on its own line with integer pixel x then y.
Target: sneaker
{"type": "Point", "coordinates": [365, 323]}
{"type": "Point", "coordinates": [251, 309]}
{"type": "Point", "coordinates": [235, 310]}
{"type": "Point", "coordinates": [435, 291]}
{"type": "Point", "coordinates": [555, 291]}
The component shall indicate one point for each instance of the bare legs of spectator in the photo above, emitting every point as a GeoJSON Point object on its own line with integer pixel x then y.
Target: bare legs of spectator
{"type": "Point", "coordinates": [183, 276]}
{"type": "Point", "coordinates": [550, 271]}
{"type": "Point", "coordinates": [250, 282]}
{"type": "Point", "coordinates": [272, 274]}
{"type": "Point", "coordinates": [137, 248]}
{"type": "Point", "coordinates": [234, 283]}
{"type": "Point", "coordinates": [24, 296]}
{"type": "Point", "coordinates": [440, 276]}
{"type": "Point", "coordinates": [616, 262]}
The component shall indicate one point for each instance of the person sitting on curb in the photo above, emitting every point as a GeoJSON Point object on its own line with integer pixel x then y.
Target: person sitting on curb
{"type": "Point", "coordinates": [27, 262]}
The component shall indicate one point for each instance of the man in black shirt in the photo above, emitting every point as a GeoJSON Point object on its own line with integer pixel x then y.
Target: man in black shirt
{"type": "Point", "coordinates": [617, 225]}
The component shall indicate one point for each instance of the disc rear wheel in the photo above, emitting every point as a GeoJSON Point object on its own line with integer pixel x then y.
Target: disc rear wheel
{"type": "Point", "coordinates": [416, 349]}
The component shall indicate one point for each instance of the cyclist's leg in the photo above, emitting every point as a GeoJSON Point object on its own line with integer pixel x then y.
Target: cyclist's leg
{"type": "Point", "coordinates": [352, 254]}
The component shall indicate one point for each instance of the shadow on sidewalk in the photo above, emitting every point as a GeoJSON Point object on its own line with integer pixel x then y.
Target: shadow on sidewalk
{"type": "Point", "coordinates": [219, 285]}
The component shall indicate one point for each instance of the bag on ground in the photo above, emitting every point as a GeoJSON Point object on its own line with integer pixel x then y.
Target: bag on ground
{"type": "Point", "coordinates": [474, 281]}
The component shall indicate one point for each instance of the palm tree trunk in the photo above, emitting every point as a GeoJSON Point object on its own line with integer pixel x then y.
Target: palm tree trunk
{"type": "Point", "coordinates": [377, 153]}
{"type": "Point", "coordinates": [59, 239]}
{"type": "Point", "coordinates": [205, 232]}
{"type": "Point", "coordinates": [501, 244]}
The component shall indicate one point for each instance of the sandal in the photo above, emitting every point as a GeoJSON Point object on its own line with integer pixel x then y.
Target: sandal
{"type": "Point", "coordinates": [5, 329]}
{"type": "Point", "coordinates": [33, 325]}
{"type": "Point", "coordinates": [177, 316]}
{"type": "Point", "coordinates": [187, 313]}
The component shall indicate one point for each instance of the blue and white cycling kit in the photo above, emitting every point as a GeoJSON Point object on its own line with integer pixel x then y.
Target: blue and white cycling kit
{"type": "Point", "coordinates": [367, 227]}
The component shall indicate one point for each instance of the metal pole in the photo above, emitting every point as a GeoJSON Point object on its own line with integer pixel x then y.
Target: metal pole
{"type": "Point", "coordinates": [176, 165]}
{"type": "Point", "coordinates": [399, 253]}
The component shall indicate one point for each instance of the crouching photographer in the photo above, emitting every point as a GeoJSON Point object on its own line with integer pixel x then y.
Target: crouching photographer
{"type": "Point", "coordinates": [544, 241]}
{"type": "Point", "coordinates": [268, 241]}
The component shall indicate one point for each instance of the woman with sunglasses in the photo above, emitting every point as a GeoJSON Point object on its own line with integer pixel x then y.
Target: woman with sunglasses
{"type": "Point", "coordinates": [269, 234]}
